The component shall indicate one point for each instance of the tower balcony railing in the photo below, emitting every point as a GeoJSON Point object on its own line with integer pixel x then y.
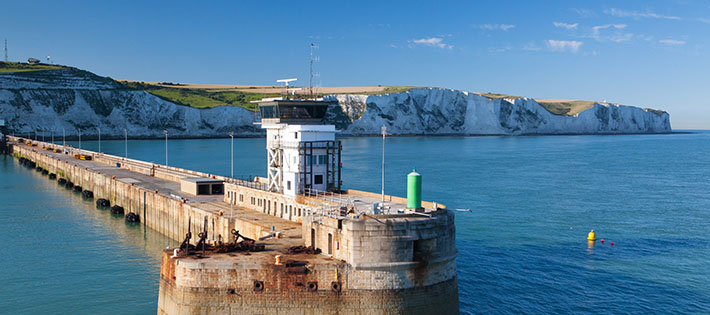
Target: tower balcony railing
{"type": "Point", "coordinates": [294, 144]}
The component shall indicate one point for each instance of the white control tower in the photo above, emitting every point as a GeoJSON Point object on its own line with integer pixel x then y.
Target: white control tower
{"type": "Point", "coordinates": [302, 152]}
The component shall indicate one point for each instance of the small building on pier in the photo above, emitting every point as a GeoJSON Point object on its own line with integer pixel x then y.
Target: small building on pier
{"type": "Point", "coordinates": [202, 186]}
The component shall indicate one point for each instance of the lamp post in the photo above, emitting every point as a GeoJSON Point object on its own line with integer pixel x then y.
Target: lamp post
{"type": "Point", "coordinates": [384, 133]}
{"type": "Point", "coordinates": [79, 129]}
{"type": "Point", "coordinates": [52, 135]}
{"type": "Point", "coordinates": [165, 131]}
{"type": "Point", "coordinates": [99, 129]}
{"type": "Point", "coordinates": [231, 199]}
{"type": "Point", "coordinates": [125, 137]}
{"type": "Point", "coordinates": [64, 141]}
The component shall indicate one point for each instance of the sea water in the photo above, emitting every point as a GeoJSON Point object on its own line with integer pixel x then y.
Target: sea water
{"type": "Point", "coordinates": [522, 247]}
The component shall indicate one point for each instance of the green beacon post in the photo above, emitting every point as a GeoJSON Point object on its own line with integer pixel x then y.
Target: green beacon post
{"type": "Point", "coordinates": [414, 190]}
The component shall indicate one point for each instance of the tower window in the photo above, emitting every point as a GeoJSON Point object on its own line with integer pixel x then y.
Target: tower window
{"type": "Point", "coordinates": [318, 179]}
{"type": "Point", "coordinates": [288, 185]}
{"type": "Point", "coordinates": [295, 135]}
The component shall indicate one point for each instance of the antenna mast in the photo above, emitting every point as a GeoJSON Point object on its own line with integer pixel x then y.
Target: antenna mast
{"type": "Point", "coordinates": [313, 59]}
{"type": "Point", "coordinates": [5, 49]}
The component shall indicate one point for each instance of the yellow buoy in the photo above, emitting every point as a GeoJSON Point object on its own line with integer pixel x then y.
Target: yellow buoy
{"type": "Point", "coordinates": [591, 236]}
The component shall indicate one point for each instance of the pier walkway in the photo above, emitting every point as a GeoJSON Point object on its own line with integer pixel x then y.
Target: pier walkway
{"type": "Point", "coordinates": [148, 177]}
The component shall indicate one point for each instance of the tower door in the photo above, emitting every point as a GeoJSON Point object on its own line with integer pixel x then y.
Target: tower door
{"type": "Point", "coordinates": [313, 238]}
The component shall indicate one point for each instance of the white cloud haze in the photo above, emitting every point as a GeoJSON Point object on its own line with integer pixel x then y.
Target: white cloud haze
{"type": "Point", "coordinates": [636, 15]}
{"type": "Point", "coordinates": [566, 25]}
{"type": "Point", "coordinates": [671, 42]}
{"type": "Point", "coordinates": [615, 37]}
{"type": "Point", "coordinates": [437, 42]}
{"type": "Point", "coordinates": [564, 45]}
{"type": "Point", "coordinates": [492, 27]}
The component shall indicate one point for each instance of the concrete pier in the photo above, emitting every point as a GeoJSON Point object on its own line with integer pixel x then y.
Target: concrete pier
{"type": "Point", "coordinates": [399, 262]}
{"type": "Point", "coordinates": [152, 191]}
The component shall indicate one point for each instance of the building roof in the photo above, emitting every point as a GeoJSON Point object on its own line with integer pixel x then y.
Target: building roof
{"type": "Point", "coordinates": [201, 180]}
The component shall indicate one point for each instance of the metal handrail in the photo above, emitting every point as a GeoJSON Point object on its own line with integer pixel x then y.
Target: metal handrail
{"type": "Point", "coordinates": [248, 183]}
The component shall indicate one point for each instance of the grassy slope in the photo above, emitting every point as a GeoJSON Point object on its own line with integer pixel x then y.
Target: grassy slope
{"type": "Point", "coordinates": [205, 98]}
{"type": "Point", "coordinates": [569, 108]}
{"type": "Point", "coordinates": [12, 67]}
{"type": "Point", "coordinates": [494, 96]}
{"type": "Point", "coordinates": [392, 89]}
{"type": "Point", "coordinates": [200, 98]}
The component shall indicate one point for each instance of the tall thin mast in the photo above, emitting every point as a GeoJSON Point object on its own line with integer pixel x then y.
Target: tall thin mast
{"type": "Point", "coordinates": [312, 60]}
{"type": "Point", "coordinates": [310, 82]}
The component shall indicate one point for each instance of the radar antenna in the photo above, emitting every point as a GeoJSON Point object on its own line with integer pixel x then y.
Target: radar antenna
{"type": "Point", "coordinates": [286, 85]}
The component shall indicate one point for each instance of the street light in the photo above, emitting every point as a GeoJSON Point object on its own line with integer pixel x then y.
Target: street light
{"type": "Point", "coordinates": [79, 129]}
{"type": "Point", "coordinates": [99, 129]}
{"type": "Point", "coordinates": [231, 199]}
{"type": "Point", "coordinates": [52, 135]}
{"type": "Point", "coordinates": [125, 136]}
{"type": "Point", "coordinates": [384, 133]}
{"type": "Point", "coordinates": [64, 140]}
{"type": "Point", "coordinates": [165, 131]}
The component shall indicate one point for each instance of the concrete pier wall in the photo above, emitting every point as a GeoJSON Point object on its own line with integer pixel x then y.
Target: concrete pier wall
{"type": "Point", "coordinates": [216, 286]}
{"type": "Point", "coordinates": [157, 209]}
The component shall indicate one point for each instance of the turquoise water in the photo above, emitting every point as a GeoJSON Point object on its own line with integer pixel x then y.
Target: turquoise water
{"type": "Point", "coordinates": [522, 248]}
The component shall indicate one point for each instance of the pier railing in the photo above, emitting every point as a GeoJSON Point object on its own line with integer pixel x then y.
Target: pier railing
{"type": "Point", "coordinates": [248, 181]}
{"type": "Point", "coordinates": [149, 168]}
{"type": "Point", "coordinates": [328, 196]}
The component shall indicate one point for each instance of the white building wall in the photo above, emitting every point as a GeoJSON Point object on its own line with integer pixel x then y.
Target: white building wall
{"type": "Point", "coordinates": [288, 138]}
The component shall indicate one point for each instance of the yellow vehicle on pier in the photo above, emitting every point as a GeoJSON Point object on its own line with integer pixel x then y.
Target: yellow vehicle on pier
{"type": "Point", "coordinates": [82, 157]}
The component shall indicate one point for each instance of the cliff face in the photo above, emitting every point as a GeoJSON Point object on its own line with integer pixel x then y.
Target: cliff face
{"type": "Point", "coordinates": [76, 100]}
{"type": "Point", "coordinates": [442, 111]}
{"type": "Point", "coordinates": [61, 99]}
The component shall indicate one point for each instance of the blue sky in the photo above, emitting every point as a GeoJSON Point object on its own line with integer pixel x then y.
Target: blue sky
{"type": "Point", "coordinates": [643, 53]}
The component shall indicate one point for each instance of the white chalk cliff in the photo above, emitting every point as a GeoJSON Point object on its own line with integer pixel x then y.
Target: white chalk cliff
{"type": "Point", "coordinates": [74, 99]}
{"type": "Point", "coordinates": [444, 111]}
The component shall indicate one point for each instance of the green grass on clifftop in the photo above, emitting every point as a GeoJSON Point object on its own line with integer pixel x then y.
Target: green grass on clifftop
{"type": "Point", "coordinates": [495, 96]}
{"type": "Point", "coordinates": [389, 90]}
{"type": "Point", "coordinates": [200, 98]}
{"type": "Point", "coordinates": [11, 67]}
{"type": "Point", "coordinates": [567, 108]}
